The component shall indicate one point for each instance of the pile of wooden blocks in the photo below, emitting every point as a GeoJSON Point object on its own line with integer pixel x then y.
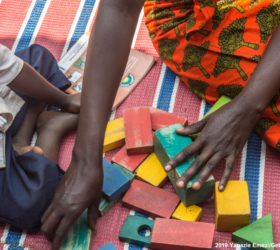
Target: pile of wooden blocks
{"type": "Point", "coordinates": [149, 140]}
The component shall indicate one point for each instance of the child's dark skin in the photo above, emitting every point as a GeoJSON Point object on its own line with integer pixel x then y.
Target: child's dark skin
{"type": "Point", "coordinates": [51, 126]}
{"type": "Point", "coordinates": [223, 133]}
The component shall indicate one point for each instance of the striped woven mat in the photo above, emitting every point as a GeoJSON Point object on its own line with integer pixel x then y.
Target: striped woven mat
{"type": "Point", "coordinates": [57, 24]}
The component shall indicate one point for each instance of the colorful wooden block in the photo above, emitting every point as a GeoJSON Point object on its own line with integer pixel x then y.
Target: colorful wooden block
{"type": "Point", "coordinates": [132, 226]}
{"type": "Point", "coordinates": [232, 206]}
{"type": "Point", "coordinates": [130, 162]}
{"type": "Point", "coordinates": [79, 236]}
{"type": "Point", "coordinates": [114, 135]}
{"type": "Point", "coordinates": [258, 235]}
{"type": "Point", "coordinates": [182, 235]}
{"type": "Point", "coordinates": [115, 182]}
{"type": "Point", "coordinates": [109, 246]}
{"type": "Point", "coordinates": [104, 205]}
{"type": "Point", "coordinates": [167, 145]}
{"type": "Point", "coordinates": [149, 200]}
{"type": "Point", "coordinates": [161, 119]}
{"type": "Point", "coordinates": [138, 131]}
{"type": "Point", "coordinates": [151, 171]}
{"type": "Point", "coordinates": [221, 102]}
{"type": "Point", "coordinates": [192, 213]}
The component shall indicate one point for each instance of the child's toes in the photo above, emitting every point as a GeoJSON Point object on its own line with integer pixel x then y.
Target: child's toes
{"type": "Point", "coordinates": [37, 150]}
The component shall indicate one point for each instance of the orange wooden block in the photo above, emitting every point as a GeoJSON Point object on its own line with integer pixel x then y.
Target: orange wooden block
{"type": "Point", "coordinates": [138, 131]}
{"type": "Point", "coordinates": [161, 119]}
{"type": "Point", "coordinates": [182, 235]}
{"type": "Point", "coordinates": [149, 200]}
{"type": "Point", "coordinates": [129, 162]}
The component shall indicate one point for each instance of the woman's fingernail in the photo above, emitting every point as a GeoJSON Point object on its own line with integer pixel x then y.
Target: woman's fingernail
{"type": "Point", "coordinates": [221, 187]}
{"type": "Point", "coordinates": [179, 129]}
{"type": "Point", "coordinates": [196, 185]}
{"type": "Point", "coordinates": [168, 167]}
{"type": "Point", "coordinates": [181, 184]}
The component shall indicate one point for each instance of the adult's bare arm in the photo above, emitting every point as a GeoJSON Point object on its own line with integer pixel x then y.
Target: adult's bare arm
{"type": "Point", "coordinates": [108, 51]}
{"type": "Point", "coordinates": [224, 133]}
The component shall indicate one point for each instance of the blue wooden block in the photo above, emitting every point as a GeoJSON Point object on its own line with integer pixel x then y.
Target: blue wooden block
{"type": "Point", "coordinates": [104, 205]}
{"type": "Point", "coordinates": [115, 183]}
{"type": "Point", "coordinates": [109, 246]}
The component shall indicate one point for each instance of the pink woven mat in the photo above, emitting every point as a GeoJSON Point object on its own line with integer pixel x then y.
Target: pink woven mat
{"type": "Point", "coordinates": [57, 24]}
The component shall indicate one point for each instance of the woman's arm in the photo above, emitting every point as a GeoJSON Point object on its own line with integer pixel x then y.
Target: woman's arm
{"type": "Point", "coordinates": [108, 51]}
{"type": "Point", "coordinates": [225, 132]}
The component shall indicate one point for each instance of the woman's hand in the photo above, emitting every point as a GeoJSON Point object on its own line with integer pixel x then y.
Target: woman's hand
{"type": "Point", "coordinates": [223, 135]}
{"type": "Point", "coordinates": [79, 189]}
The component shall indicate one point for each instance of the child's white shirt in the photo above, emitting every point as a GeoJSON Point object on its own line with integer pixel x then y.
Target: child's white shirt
{"type": "Point", "coordinates": [10, 102]}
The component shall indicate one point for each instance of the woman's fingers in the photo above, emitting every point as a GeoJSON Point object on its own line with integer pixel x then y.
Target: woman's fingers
{"type": "Point", "coordinates": [182, 156]}
{"type": "Point", "coordinates": [207, 171]}
{"type": "Point", "coordinates": [227, 172]}
{"type": "Point", "coordinates": [194, 169]}
{"type": "Point", "coordinates": [193, 128]}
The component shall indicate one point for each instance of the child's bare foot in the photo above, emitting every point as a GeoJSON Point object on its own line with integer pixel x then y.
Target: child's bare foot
{"type": "Point", "coordinates": [51, 126]}
{"type": "Point", "coordinates": [56, 123]}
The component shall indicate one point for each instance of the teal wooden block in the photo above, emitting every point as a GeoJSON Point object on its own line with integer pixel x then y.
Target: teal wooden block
{"type": "Point", "coordinates": [131, 228]}
{"type": "Point", "coordinates": [257, 235]}
{"type": "Point", "coordinates": [79, 236]}
{"type": "Point", "coordinates": [221, 102]}
{"type": "Point", "coordinates": [167, 144]}
{"type": "Point", "coordinates": [109, 246]}
{"type": "Point", "coordinates": [115, 183]}
{"type": "Point", "coordinates": [104, 205]}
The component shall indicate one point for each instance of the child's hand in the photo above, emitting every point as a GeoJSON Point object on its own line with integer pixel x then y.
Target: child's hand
{"type": "Point", "coordinates": [73, 103]}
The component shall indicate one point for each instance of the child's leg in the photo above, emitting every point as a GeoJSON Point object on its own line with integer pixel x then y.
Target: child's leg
{"type": "Point", "coordinates": [21, 139]}
{"type": "Point", "coordinates": [51, 127]}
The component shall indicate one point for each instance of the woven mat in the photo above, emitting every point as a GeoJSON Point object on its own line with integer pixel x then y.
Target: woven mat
{"type": "Point", "coordinates": [57, 24]}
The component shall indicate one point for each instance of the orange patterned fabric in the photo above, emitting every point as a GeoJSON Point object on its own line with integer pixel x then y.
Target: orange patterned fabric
{"type": "Point", "coordinates": [214, 47]}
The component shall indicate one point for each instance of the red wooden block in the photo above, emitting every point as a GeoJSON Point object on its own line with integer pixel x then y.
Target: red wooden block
{"type": "Point", "coordinates": [149, 200]}
{"type": "Point", "coordinates": [130, 162]}
{"type": "Point", "coordinates": [161, 119]}
{"type": "Point", "coordinates": [182, 235]}
{"type": "Point", "coordinates": [138, 131]}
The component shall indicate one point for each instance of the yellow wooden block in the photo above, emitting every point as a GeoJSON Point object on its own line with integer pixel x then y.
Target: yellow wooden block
{"type": "Point", "coordinates": [191, 213]}
{"type": "Point", "coordinates": [114, 135]}
{"type": "Point", "coordinates": [151, 171]}
{"type": "Point", "coordinates": [232, 206]}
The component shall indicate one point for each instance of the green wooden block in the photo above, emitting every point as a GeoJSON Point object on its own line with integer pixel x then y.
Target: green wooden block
{"type": "Point", "coordinates": [127, 173]}
{"type": "Point", "coordinates": [221, 102]}
{"type": "Point", "coordinates": [132, 226]}
{"type": "Point", "coordinates": [104, 205]}
{"type": "Point", "coordinates": [257, 235]}
{"type": "Point", "coordinates": [167, 144]}
{"type": "Point", "coordinates": [79, 236]}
